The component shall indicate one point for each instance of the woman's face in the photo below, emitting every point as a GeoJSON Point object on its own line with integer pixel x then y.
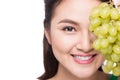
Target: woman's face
{"type": "Point", "coordinates": [71, 40]}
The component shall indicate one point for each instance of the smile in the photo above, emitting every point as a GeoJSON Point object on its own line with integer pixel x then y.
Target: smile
{"type": "Point", "coordinates": [84, 59]}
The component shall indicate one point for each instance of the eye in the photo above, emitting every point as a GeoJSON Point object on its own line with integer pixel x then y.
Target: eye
{"type": "Point", "coordinates": [69, 28]}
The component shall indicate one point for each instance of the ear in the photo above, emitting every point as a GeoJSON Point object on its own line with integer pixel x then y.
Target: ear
{"type": "Point", "coordinates": [47, 35]}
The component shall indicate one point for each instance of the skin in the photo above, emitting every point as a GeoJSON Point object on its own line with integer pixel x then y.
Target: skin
{"type": "Point", "coordinates": [69, 35]}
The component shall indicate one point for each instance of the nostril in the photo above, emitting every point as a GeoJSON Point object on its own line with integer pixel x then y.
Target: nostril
{"type": "Point", "coordinates": [85, 47]}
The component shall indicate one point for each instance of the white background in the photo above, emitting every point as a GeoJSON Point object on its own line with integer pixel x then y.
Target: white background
{"type": "Point", "coordinates": [21, 33]}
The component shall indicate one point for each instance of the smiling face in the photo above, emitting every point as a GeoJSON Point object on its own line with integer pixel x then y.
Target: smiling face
{"type": "Point", "coordinates": [71, 40]}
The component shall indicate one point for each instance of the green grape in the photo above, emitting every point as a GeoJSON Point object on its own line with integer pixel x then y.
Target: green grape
{"type": "Point", "coordinates": [105, 21]}
{"type": "Point", "coordinates": [117, 25]}
{"type": "Point", "coordinates": [105, 24]}
{"type": "Point", "coordinates": [106, 70]}
{"type": "Point", "coordinates": [116, 49]}
{"type": "Point", "coordinates": [103, 4]}
{"type": "Point", "coordinates": [107, 50]}
{"type": "Point", "coordinates": [105, 12]}
{"type": "Point", "coordinates": [96, 44]}
{"type": "Point", "coordinates": [104, 51]}
{"type": "Point", "coordinates": [113, 31]}
{"type": "Point", "coordinates": [95, 12]}
{"type": "Point", "coordinates": [114, 14]}
{"type": "Point", "coordinates": [108, 57]}
{"type": "Point", "coordinates": [101, 36]}
{"type": "Point", "coordinates": [96, 22]}
{"type": "Point", "coordinates": [109, 64]}
{"type": "Point", "coordinates": [104, 43]}
{"type": "Point", "coordinates": [118, 36]}
{"type": "Point", "coordinates": [111, 39]}
{"type": "Point", "coordinates": [97, 31]}
{"type": "Point", "coordinates": [104, 29]}
{"type": "Point", "coordinates": [115, 57]}
{"type": "Point", "coordinates": [116, 71]}
{"type": "Point", "coordinates": [117, 42]}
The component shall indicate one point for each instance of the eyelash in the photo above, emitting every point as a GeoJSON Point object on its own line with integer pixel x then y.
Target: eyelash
{"type": "Point", "coordinates": [69, 28]}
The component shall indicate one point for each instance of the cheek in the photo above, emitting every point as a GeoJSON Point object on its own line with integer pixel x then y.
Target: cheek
{"type": "Point", "coordinates": [62, 43]}
{"type": "Point", "coordinates": [101, 60]}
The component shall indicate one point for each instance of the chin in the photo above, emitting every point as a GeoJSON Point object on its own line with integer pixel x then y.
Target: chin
{"type": "Point", "coordinates": [85, 73]}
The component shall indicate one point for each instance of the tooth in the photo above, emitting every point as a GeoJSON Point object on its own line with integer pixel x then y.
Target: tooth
{"type": "Point", "coordinates": [83, 57]}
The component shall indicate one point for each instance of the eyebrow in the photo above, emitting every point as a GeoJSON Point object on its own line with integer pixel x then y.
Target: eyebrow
{"type": "Point", "coordinates": [68, 21]}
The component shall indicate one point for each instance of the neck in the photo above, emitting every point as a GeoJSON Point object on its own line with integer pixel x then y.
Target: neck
{"type": "Point", "coordinates": [64, 74]}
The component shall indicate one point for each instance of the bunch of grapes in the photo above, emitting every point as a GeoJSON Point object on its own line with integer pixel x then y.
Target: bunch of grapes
{"type": "Point", "coordinates": [105, 24]}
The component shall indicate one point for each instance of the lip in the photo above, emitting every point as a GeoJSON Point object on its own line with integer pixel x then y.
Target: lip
{"type": "Point", "coordinates": [88, 61]}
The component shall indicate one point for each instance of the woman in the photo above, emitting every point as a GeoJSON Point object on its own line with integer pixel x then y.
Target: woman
{"type": "Point", "coordinates": [68, 51]}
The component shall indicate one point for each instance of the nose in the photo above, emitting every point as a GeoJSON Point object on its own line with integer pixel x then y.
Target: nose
{"type": "Point", "coordinates": [85, 44]}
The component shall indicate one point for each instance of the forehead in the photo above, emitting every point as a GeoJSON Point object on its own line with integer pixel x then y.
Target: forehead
{"type": "Point", "coordinates": [77, 4]}
{"type": "Point", "coordinates": [71, 8]}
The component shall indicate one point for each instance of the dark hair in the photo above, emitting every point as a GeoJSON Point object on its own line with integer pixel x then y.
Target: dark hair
{"type": "Point", "coordinates": [50, 62]}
